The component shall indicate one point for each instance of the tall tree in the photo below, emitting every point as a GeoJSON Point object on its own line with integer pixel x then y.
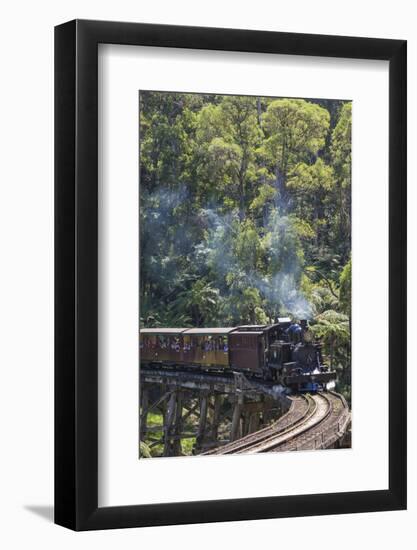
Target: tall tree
{"type": "Point", "coordinates": [341, 150]}
{"type": "Point", "coordinates": [296, 131]}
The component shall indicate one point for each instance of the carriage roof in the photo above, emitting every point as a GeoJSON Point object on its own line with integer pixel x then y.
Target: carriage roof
{"type": "Point", "coordinates": [249, 327]}
{"type": "Point", "coordinates": [248, 333]}
{"type": "Point", "coordinates": [208, 331]}
{"type": "Point", "coordinates": [262, 328]}
{"type": "Point", "coordinates": [162, 330]}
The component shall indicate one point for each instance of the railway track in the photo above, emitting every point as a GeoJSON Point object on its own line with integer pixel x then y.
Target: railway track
{"type": "Point", "coordinates": [297, 412]}
{"type": "Point", "coordinates": [324, 432]}
{"type": "Point", "coordinates": [313, 421]}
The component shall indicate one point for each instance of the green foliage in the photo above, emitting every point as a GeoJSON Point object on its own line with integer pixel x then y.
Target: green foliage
{"type": "Point", "coordinates": [295, 127]}
{"type": "Point", "coordinates": [341, 155]}
{"type": "Point", "coordinates": [187, 445]}
{"type": "Point", "coordinates": [341, 145]}
{"type": "Point", "coordinates": [333, 329]}
{"type": "Point", "coordinates": [245, 213]}
{"type": "Point", "coordinates": [153, 446]}
{"type": "Point", "coordinates": [153, 419]}
{"type": "Point", "coordinates": [266, 193]}
{"type": "Point", "coordinates": [199, 302]}
{"type": "Point", "coordinates": [322, 299]}
{"type": "Point", "coordinates": [345, 289]}
{"type": "Point", "coordinates": [295, 131]}
{"type": "Point", "coordinates": [311, 178]}
{"type": "Point", "coordinates": [144, 450]}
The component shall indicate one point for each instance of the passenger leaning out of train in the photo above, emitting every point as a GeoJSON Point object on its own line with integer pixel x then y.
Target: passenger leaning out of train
{"type": "Point", "coordinates": [294, 331]}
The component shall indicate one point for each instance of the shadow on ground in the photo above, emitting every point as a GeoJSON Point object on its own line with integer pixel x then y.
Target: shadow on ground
{"type": "Point", "coordinates": [45, 512]}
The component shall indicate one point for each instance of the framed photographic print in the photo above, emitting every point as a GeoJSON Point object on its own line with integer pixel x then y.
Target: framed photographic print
{"type": "Point", "coordinates": [230, 275]}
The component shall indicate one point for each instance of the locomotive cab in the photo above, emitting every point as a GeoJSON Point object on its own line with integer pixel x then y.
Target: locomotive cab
{"type": "Point", "coordinates": [296, 360]}
{"type": "Point", "coordinates": [284, 352]}
{"type": "Point", "coordinates": [279, 354]}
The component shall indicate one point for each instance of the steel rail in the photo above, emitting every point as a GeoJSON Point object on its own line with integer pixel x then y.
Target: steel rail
{"type": "Point", "coordinates": [316, 423]}
{"type": "Point", "coordinates": [326, 414]}
{"type": "Point", "coordinates": [279, 426]}
{"type": "Point", "coordinates": [293, 431]}
{"type": "Point", "coordinates": [311, 434]}
{"type": "Point", "coordinates": [304, 424]}
{"type": "Point", "coordinates": [328, 431]}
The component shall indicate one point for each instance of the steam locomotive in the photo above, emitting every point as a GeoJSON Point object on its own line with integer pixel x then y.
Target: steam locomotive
{"type": "Point", "coordinates": [283, 352]}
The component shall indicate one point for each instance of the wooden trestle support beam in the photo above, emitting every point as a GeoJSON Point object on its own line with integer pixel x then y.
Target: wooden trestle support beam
{"type": "Point", "coordinates": [211, 413]}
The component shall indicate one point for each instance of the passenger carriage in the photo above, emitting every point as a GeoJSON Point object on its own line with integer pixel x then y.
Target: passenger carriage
{"type": "Point", "coordinates": [270, 352]}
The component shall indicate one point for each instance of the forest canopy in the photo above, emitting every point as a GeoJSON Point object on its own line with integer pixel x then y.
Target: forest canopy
{"type": "Point", "coordinates": [245, 213]}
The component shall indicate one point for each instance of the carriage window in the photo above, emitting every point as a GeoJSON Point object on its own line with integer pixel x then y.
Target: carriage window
{"type": "Point", "coordinates": [150, 342]}
{"type": "Point", "coordinates": [176, 343]}
{"type": "Point", "coordinates": [186, 343]}
{"type": "Point", "coordinates": [208, 345]}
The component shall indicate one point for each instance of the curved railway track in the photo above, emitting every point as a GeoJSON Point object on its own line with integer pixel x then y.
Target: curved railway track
{"type": "Point", "coordinates": [297, 412]}
{"type": "Point", "coordinates": [313, 421]}
{"type": "Point", "coordinates": [325, 432]}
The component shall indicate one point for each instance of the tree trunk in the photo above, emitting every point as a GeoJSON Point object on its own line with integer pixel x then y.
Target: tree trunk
{"type": "Point", "coordinates": [331, 355]}
{"type": "Point", "coordinates": [259, 109]}
{"type": "Point", "coordinates": [280, 184]}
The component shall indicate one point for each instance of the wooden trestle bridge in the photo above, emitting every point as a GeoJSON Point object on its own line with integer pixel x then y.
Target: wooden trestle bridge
{"type": "Point", "coordinates": [233, 415]}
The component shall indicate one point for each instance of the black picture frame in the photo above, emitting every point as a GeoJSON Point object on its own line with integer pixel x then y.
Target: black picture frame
{"type": "Point", "coordinates": [76, 272]}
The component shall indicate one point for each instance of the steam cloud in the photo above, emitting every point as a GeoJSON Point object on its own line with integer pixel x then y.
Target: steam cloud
{"type": "Point", "coordinates": [281, 290]}
{"type": "Point", "coordinates": [214, 255]}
